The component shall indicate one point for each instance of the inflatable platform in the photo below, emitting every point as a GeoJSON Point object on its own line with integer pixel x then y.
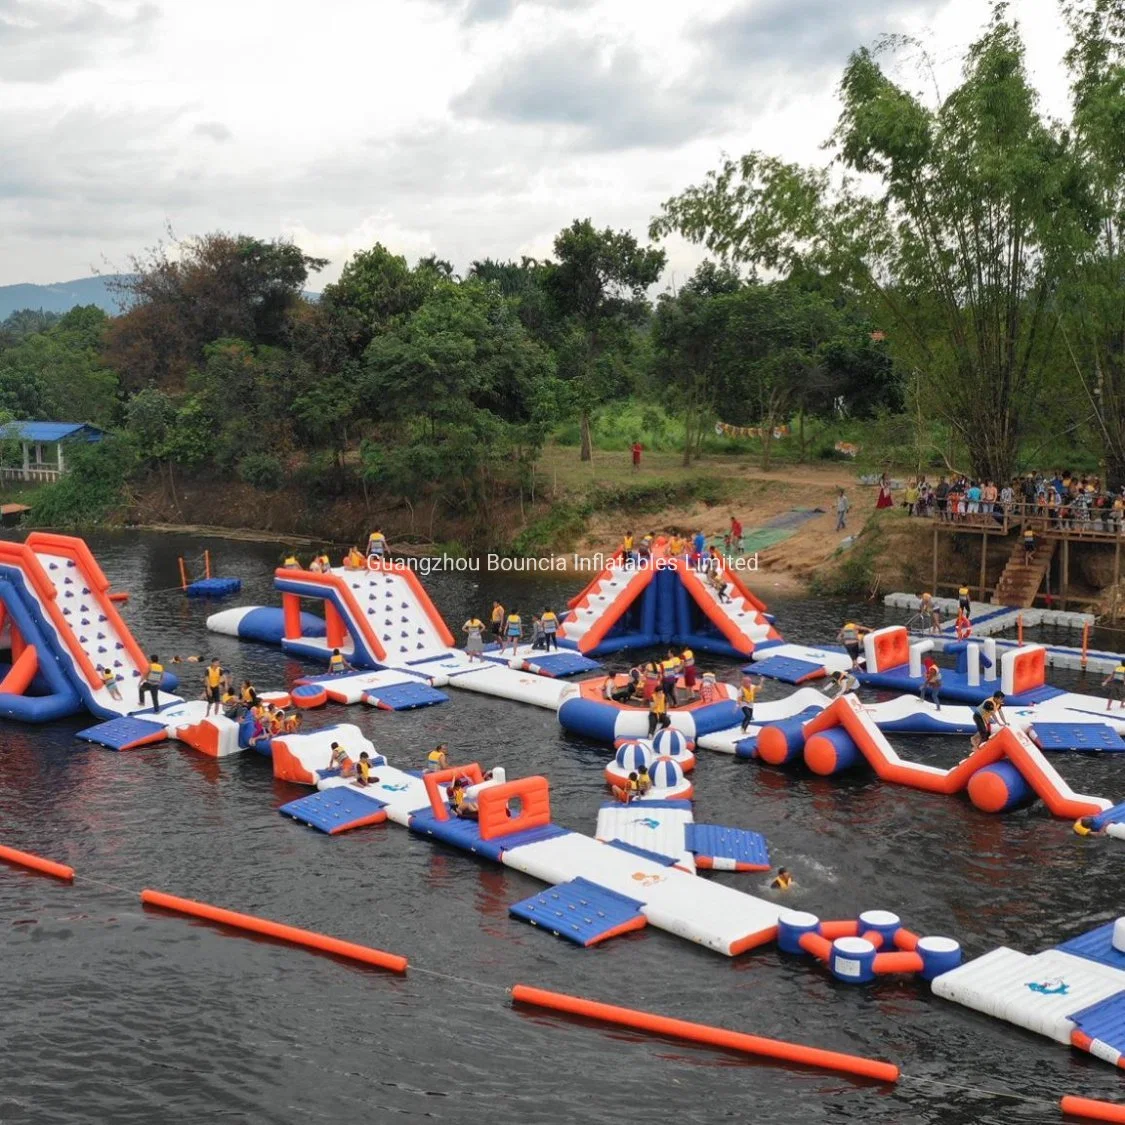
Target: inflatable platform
{"type": "Point", "coordinates": [60, 627]}
{"type": "Point", "coordinates": [597, 890]}
{"type": "Point", "coordinates": [665, 601]}
{"type": "Point", "coordinates": [1073, 993]}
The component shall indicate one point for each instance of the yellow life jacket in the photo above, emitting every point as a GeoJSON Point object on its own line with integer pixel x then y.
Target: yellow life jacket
{"type": "Point", "coordinates": [292, 562]}
{"type": "Point", "coordinates": [336, 663]}
{"type": "Point", "coordinates": [659, 703]}
{"type": "Point", "coordinates": [155, 674]}
{"type": "Point", "coordinates": [749, 693]}
{"type": "Point", "coordinates": [963, 592]}
{"type": "Point", "coordinates": [434, 756]}
{"type": "Point", "coordinates": [214, 676]}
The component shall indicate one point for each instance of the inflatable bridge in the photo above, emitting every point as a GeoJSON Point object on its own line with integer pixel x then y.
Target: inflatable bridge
{"type": "Point", "coordinates": [664, 601]}
{"type": "Point", "coordinates": [59, 626]}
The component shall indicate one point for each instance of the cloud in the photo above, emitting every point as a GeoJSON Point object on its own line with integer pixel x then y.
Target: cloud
{"type": "Point", "coordinates": [215, 130]}
{"type": "Point", "coordinates": [43, 39]}
{"type": "Point", "coordinates": [810, 37]}
{"type": "Point", "coordinates": [497, 11]}
{"type": "Point", "coordinates": [612, 101]}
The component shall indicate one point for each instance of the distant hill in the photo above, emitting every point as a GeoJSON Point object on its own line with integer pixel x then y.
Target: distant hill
{"type": "Point", "coordinates": [61, 297]}
{"type": "Point", "coordinates": [66, 295]}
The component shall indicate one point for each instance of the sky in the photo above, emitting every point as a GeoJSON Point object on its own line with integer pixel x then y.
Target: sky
{"type": "Point", "coordinates": [465, 128]}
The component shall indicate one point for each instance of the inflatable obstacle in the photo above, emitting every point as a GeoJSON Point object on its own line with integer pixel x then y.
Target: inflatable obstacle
{"type": "Point", "coordinates": [1007, 770]}
{"type": "Point", "coordinates": [859, 950]}
{"type": "Point", "coordinates": [1073, 993]}
{"type": "Point", "coordinates": [666, 601]}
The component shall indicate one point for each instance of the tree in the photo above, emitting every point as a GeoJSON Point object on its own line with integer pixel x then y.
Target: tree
{"type": "Point", "coordinates": [599, 284]}
{"type": "Point", "coordinates": [215, 286]}
{"type": "Point", "coordinates": [1091, 306]}
{"type": "Point", "coordinates": [688, 332]}
{"type": "Point", "coordinates": [957, 245]}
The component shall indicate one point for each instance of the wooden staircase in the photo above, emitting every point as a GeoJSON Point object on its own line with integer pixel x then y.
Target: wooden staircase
{"type": "Point", "coordinates": [1021, 579]}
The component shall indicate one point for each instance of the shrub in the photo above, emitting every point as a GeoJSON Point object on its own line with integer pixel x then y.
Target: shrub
{"type": "Point", "coordinates": [262, 470]}
{"type": "Point", "coordinates": [93, 487]}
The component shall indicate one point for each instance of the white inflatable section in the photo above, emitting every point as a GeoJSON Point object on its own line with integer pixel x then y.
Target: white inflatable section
{"type": "Point", "coordinates": [1057, 782]}
{"type": "Point", "coordinates": [490, 678]}
{"type": "Point", "coordinates": [992, 671]}
{"type": "Point", "coordinates": [1037, 992]}
{"type": "Point", "coordinates": [916, 651]}
{"type": "Point", "coordinates": [227, 621]}
{"type": "Point", "coordinates": [869, 640]}
{"type": "Point", "coordinates": [706, 912]}
{"type": "Point", "coordinates": [656, 830]}
{"type": "Point", "coordinates": [402, 793]}
{"type": "Point", "coordinates": [1117, 831]}
{"type": "Point", "coordinates": [745, 617]}
{"type": "Point", "coordinates": [609, 587]}
{"type": "Point", "coordinates": [313, 749]}
{"type": "Point", "coordinates": [351, 687]}
{"type": "Point", "coordinates": [972, 665]}
{"type": "Point", "coordinates": [1119, 935]}
{"type": "Point", "coordinates": [394, 613]}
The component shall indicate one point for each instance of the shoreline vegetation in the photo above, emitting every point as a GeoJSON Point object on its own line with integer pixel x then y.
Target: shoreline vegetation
{"type": "Point", "coordinates": [940, 294]}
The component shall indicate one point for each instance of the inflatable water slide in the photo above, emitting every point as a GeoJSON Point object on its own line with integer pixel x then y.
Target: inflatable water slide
{"type": "Point", "coordinates": [665, 601]}
{"type": "Point", "coordinates": [381, 618]}
{"type": "Point", "coordinates": [60, 626]}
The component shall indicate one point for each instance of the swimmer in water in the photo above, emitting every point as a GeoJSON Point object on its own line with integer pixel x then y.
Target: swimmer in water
{"type": "Point", "coordinates": [783, 880]}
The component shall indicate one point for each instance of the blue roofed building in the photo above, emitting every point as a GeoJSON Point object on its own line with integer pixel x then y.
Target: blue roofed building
{"type": "Point", "coordinates": [41, 446]}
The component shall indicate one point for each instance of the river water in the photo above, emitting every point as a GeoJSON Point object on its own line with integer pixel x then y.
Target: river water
{"type": "Point", "coordinates": [113, 1013]}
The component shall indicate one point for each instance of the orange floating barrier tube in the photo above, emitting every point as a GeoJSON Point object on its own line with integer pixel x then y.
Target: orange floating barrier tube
{"type": "Point", "coordinates": [711, 1036]}
{"type": "Point", "coordinates": [833, 930]}
{"type": "Point", "coordinates": [901, 962]}
{"type": "Point", "coordinates": [37, 863]}
{"type": "Point", "coordinates": [1092, 1110]}
{"type": "Point", "coordinates": [291, 934]}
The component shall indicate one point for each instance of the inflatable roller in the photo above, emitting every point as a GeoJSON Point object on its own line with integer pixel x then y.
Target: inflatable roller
{"type": "Point", "coordinates": [781, 743]}
{"type": "Point", "coordinates": [831, 751]}
{"type": "Point", "coordinates": [309, 695]}
{"type": "Point", "coordinates": [999, 788]}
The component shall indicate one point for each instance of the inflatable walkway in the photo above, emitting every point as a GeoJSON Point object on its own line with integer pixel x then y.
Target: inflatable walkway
{"type": "Point", "coordinates": [61, 627]}
{"type": "Point", "coordinates": [1006, 771]}
{"type": "Point", "coordinates": [665, 601]}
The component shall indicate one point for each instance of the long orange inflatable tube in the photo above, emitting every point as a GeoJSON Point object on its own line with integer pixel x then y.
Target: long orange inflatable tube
{"type": "Point", "coordinates": [291, 934]}
{"type": "Point", "coordinates": [612, 614]}
{"type": "Point", "coordinates": [37, 863]}
{"type": "Point", "coordinates": [334, 582]}
{"type": "Point", "coordinates": [1092, 1110]}
{"type": "Point", "coordinates": [711, 1036]}
{"type": "Point", "coordinates": [71, 547]}
{"type": "Point", "coordinates": [21, 557]}
{"type": "Point", "coordinates": [21, 673]}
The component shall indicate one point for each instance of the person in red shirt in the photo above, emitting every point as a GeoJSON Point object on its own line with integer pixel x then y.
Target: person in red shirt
{"type": "Point", "coordinates": [637, 447]}
{"type": "Point", "coordinates": [735, 536]}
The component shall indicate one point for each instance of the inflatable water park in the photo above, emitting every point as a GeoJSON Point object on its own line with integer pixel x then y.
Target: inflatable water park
{"type": "Point", "coordinates": [646, 860]}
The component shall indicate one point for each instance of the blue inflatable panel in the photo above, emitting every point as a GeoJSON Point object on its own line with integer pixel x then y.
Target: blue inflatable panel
{"type": "Point", "coordinates": [1110, 816]}
{"type": "Point", "coordinates": [580, 911]}
{"type": "Point", "coordinates": [738, 845]}
{"type": "Point", "coordinates": [267, 625]}
{"type": "Point", "coordinates": [590, 718]}
{"type": "Point", "coordinates": [213, 587]}
{"type": "Point", "coordinates": [404, 697]}
{"type": "Point", "coordinates": [1104, 1021]}
{"type": "Point", "coordinates": [465, 834]}
{"type": "Point", "coordinates": [336, 810]}
{"type": "Point", "coordinates": [559, 664]}
{"type": "Point", "coordinates": [644, 853]}
{"type": "Point", "coordinates": [1078, 736]}
{"type": "Point", "coordinates": [124, 733]}
{"type": "Point", "coordinates": [924, 722]}
{"type": "Point", "coordinates": [1036, 695]}
{"type": "Point", "coordinates": [1097, 945]}
{"type": "Point", "coordinates": [787, 669]}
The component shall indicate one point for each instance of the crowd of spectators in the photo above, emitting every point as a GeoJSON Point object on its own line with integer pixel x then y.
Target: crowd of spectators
{"type": "Point", "coordinates": [1061, 500]}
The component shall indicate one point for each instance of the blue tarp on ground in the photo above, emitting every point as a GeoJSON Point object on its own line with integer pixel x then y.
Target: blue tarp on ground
{"type": "Point", "coordinates": [579, 911]}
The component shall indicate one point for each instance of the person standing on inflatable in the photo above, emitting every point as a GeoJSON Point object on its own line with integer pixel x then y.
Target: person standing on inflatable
{"type": "Point", "coordinates": [849, 636]}
{"type": "Point", "coordinates": [931, 682]}
{"type": "Point", "coordinates": [657, 712]}
{"type": "Point", "coordinates": [550, 621]}
{"type": "Point", "coordinates": [1115, 681]}
{"type": "Point", "coordinates": [376, 544]}
{"type": "Point", "coordinates": [153, 678]}
{"type": "Point", "coordinates": [513, 632]}
{"type": "Point", "coordinates": [636, 451]}
{"type": "Point", "coordinates": [985, 715]}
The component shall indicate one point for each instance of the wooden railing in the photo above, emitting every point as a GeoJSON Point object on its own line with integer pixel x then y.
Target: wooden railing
{"type": "Point", "coordinates": [41, 473]}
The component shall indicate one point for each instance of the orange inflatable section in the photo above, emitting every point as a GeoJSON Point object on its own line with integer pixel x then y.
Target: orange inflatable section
{"type": "Point", "coordinates": [22, 672]}
{"type": "Point", "coordinates": [496, 815]}
{"type": "Point", "coordinates": [287, 766]}
{"type": "Point", "coordinates": [202, 736]}
{"type": "Point", "coordinates": [1040, 775]}
{"type": "Point", "coordinates": [36, 863]}
{"type": "Point", "coordinates": [436, 781]}
{"type": "Point", "coordinates": [347, 599]}
{"type": "Point", "coordinates": [711, 1036]}
{"type": "Point", "coordinates": [1092, 1110]}
{"type": "Point", "coordinates": [1029, 670]}
{"type": "Point", "coordinates": [290, 934]}
{"type": "Point", "coordinates": [892, 648]}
